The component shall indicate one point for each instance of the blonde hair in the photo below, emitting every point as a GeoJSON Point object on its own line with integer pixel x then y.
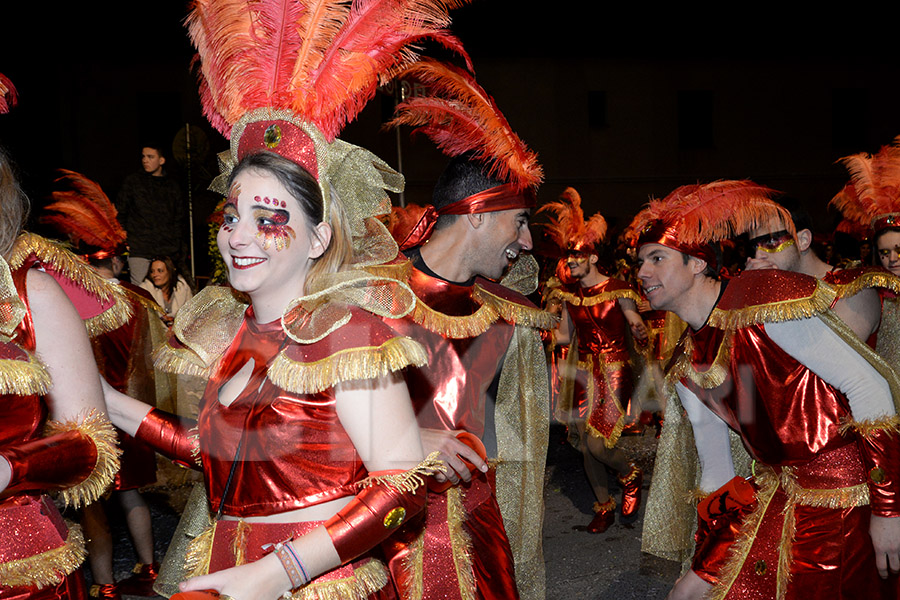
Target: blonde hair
{"type": "Point", "coordinates": [13, 205]}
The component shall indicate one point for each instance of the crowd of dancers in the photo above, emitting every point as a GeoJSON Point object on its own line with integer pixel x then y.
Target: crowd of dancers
{"type": "Point", "coordinates": [379, 382]}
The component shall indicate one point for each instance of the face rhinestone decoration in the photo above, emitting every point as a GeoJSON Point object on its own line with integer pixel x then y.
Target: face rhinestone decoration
{"type": "Point", "coordinates": [272, 227]}
{"type": "Point", "coordinates": [272, 136]}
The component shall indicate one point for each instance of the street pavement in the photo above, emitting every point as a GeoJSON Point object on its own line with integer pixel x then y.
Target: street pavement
{"type": "Point", "coordinates": [580, 565]}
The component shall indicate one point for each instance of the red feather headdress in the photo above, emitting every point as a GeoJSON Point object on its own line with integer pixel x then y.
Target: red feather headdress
{"type": "Point", "coordinates": [83, 212]}
{"type": "Point", "coordinates": [694, 216]}
{"type": "Point", "coordinates": [8, 97]}
{"type": "Point", "coordinates": [872, 198]}
{"type": "Point", "coordinates": [568, 229]}
{"type": "Point", "coordinates": [459, 116]}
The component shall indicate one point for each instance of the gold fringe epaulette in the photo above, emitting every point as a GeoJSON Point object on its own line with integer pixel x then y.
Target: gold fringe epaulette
{"type": "Point", "coordinates": [97, 427]}
{"type": "Point", "coordinates": [144, 301]}
{"type": "Point", "coordinates": [352, 364]}
{"type": "Point", "coordinates": [399, 270]}
{"type": "Point", "coordinates": [890, 424]}
{"type": "Point", "coordinates": [787, 310]}
{"type": "Point", "coordinates": [47, 568]}
{"type": "Point", "coordinates": [23, 377]}
{"type": "Point", "coordinates": [80, 273]}
{"type": "Point", "coordinates": [575, 300]}
{"type": "Point", "coordinates": [408, 481]}
{"type": "Point", "coordinates": [866, 280]}
{"type": "Point", "coordinates": [712, 377]}
{"type": "Point", "coordinates": [515, 313]}
{"type": "Point", "coordinates": [461, 543]}
{"type": "Point", "coordinates": [180, 361]}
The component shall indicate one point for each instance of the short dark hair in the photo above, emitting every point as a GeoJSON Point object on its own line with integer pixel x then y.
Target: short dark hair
{"type": "Point", "coordinates": [462, 177]}
{"type": "Point", "coordinates": [799, 215]}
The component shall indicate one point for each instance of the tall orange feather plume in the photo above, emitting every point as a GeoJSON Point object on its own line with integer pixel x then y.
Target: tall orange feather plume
{"type": "Point", "coordinates": [459, 116]}
{"type": "Point", "coordinates": [83, 212]}
{"type": "Point", "coordinates": [8, 96]}
{"type": "Point", "coordinates": [568, 229]}
{"type": "Point", "coordinates": [712, 212]}
{"type": "Point", "coordinates": [322, 59]}
{"type": "Point", "coordinates": [874, 188]}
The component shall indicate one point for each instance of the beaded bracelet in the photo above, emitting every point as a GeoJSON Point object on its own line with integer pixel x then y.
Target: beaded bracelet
{"type": "Point", "coordinates": [291, 562]}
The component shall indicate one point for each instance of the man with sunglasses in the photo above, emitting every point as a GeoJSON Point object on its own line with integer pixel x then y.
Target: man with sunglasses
{"type": "Point", "coordinates": [771, 246]}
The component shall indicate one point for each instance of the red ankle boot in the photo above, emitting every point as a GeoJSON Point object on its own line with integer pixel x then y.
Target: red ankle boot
{"type": "Point", "coordinates": [604, 516]}
{"type": "Point", "coordinates": [141, 581]}
{"type": "Point", "coordinates": [106, 591]}
{"type": "Point", "coordinates": [631, 491]}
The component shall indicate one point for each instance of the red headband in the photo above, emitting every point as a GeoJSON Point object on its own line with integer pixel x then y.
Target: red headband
{"type": "Point", "coordinates": [666, 234]}
{"type": "Point", "coordinates": [416, 223]}
{"type": "Point", "coordinates": [281, 137]}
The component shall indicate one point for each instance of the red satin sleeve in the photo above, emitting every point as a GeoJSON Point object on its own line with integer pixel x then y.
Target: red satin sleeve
{"type": "Point", "coordinates": [881, 456]}
{"type": "Point", "coordinates": [36, 464]}
{"type": "Point", "coordinates": [172, 436]}
{"type": "Point", "coordinates": [373, 515]}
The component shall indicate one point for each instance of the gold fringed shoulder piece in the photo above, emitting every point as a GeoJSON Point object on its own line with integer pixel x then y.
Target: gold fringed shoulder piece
{"type": "Point", "coordinates": [514, 312]}
{"type": "Point", "coordinates": [451, 326]}
{"type": "Point", "coordinates": [891, 424]}
{"type": "Point", "coordinates": [575, 300]}
{"type": "Point", "coordinates": [23, 377]}
{"type": "Point", "coordinates": [101, 432]}
{"type": "Point", "coordinates": [714, 375]}
{"type": "Point", "coordinates": [774, 312]}
{"type": "Point", "coordinates": [79, 273]}
{"type": "Point", "coordinates": [861, 279]}
{"type": "Point", "coordinates": [407, 481]}
{"type": "Point", "coordinates": [47, 568]}
{"type": "Point", "coordinates": [180, 361]}
{"type": "Point", "coordinates": [12, 309]}
{"type": "Point", "coordinates": [351, 364]}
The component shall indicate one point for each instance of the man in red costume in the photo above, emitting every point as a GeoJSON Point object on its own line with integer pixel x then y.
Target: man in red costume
{"type": "Point", "coordinates": [771, 246]}
{"type": "Point", "coordinates": [482, 538]}
{"type": "Point", "coordinates": [813, 406]}
{"type": "Point", "coordinates": [598, 311]}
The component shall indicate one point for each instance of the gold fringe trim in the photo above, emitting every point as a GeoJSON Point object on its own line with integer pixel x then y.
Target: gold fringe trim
{"type": "Point", "coordinates": [866, 429]}
{"type": "Point", "coordinates": [774, 312]}
{"type": "Point", "coordinates": [606, 506]}
{"type": "Point", "coordinates": [612, 439]}
{"type": "Point", "coordinates": [696, 495]}
{"type": "Point", "coordinates": [413, 567]}
{"type": "Point", "coordinates": [461, 543]}
{"type": "Point", "coordinates": [400, 270]}
{"type": "Point", "coordinates": [47, 568]}
{"type": "Point", "coordinates": [712, 377]}
{"type": "Point", "coordinates": [180, 361]}
{"type": "Point", "coordinates": [408, 481]}
{"type": "Point", "coordinates": [738, 552]}
{"type": "Point", "coordinates": [869, 279]}
{"type": "Point", "coordinates": [79, 272]}
{"type": "Point", "coordinates": [24, 377]}
{"type": "Point", "coordinates": [199, 552]}
{"type": "Point", "coordinates": [366, 580]}
{"type": "Point", "coordinates": [515, 313]}
{"type": "Point", "coordinates": [239, 542]}
{"type": "Point", "coordinates": [632, 474]}
{"type": "Point", "coordinates": [369, 362]}
{"type": "Point", "coordinates": [454, 327]}
{"type": "Point", "coordinates": [101, 432]}
{"type": "Point", "coordinates": [785, 548]}
{"type": "Point", "coordinates": [576, 300]}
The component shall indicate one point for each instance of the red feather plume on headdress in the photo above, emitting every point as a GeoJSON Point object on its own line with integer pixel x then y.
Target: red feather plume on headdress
{"type": "Point", "coordinates": [459, 116]}
{"type": "Point", "coordinates": [874, 188]}
{"type": "Point", "coordinates": [712, 212]}
{"type": "Point", "coordinates": [84, 212]}
{"type": "Point", "coordinates": [322, 59]}
{"type": "Point", "coordinates": [568, 229]}
{"type": "Point", "coordinates": [8, 97]}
